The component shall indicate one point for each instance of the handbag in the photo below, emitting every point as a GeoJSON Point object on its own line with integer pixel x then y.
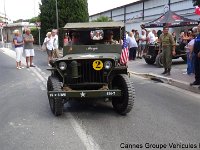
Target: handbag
{"type": "Point", "coordinates": [44, 47]}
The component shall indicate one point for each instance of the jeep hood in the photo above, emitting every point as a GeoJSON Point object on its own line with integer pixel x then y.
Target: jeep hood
{"type": "Point", "coordinates": [91, 56]}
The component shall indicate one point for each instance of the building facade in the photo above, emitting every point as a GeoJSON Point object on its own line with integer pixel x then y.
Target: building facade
{"type": "Point", "coordinates": [142, 11]}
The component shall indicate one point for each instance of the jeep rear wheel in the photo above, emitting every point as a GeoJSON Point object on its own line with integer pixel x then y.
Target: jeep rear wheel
{"type": "Point", "coordinates": [56, 104]}
{"type": "Point", "coordinates": [123, 104]}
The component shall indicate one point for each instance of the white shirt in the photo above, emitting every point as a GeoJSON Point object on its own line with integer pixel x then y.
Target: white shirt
{"type": "Point", "coordinates": [191, 44]}
{"type": "Point", "coordinates": [131, 42]}
{"type": "Point", "coordinates": [55, 41]}
{"type": "Point", "coordinates": [151, 37]}
{"type": "Point", "coordinates": [142, 37]}
{"type": "Point", "coordinates": [97, 37]}
{"type": "Point", "coordinates": [49, 43]}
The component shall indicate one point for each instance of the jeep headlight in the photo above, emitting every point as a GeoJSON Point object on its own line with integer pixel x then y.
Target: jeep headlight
{"type": "Point", "coordinates": [107, 65]}
{"type": "Point", "coordinates": [62, 65]}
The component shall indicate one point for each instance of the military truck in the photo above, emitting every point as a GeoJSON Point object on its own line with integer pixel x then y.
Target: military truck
{"type": "Point", "coordinates": [90, 68]}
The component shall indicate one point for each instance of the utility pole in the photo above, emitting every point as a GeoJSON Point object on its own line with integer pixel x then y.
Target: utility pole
{"type": "Point", "coordinates": [57, 25]}
{"type": "Point", "coordinates": [57, 15]}
{"type": "Point", "coordinates": [169, 3]}
{"type": "Point", "coordinates": [2, 37]}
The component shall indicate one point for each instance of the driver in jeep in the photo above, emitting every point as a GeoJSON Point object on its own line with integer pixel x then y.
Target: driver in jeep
{"type": "Point", "coordinates": [109, 38]}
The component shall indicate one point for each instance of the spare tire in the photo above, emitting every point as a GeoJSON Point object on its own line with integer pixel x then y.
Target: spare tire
{"type": "Point", "coordinates": [159, 61]}
{"type": "Point", "coordinates": [150, 61]}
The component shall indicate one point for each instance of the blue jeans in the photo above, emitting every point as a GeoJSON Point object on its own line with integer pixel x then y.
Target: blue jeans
{"type": "Point", "coordinates": [132, 53]}
{"type": "Point", "coordinates": [190, 63]}
{"type": "Point", "coordinates": [197, 68]}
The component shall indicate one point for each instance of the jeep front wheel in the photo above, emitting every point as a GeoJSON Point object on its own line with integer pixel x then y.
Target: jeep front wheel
{"type": "Point", "coordinates": [123, 104]}
{"type": "Point", "coordinates": [56, 104]}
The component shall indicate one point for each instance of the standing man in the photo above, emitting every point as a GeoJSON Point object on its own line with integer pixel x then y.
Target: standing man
{"type": "Point", "coordinates": [142, 44]}
{"type": "Point", "coordinates": [28, 47]}
{"type": "Point", "coordinates": [132, 44]}
{"type": "Point", "coordinates": [196, 50]}
{"type": "Point", "coordinates": [55, 43]}
{"type": "Point", "coordinates": [151, 39]}
{"type": "Point", "coordinates": [167, 44]}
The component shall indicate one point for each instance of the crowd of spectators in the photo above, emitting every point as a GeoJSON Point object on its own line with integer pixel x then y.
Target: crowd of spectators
{"type": "Point", "coordinates": [187, 39]}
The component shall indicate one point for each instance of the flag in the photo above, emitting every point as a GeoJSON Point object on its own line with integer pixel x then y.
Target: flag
{"type": "Point", "coordinates": [125, 53]}
{"type": "Point", "coordinates": [197, 10]}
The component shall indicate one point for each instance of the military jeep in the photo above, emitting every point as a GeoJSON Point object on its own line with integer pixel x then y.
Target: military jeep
{"type": "Point", "coordinates": [90, 68]}
{"type": "Point", "coordinates": [152, 55]}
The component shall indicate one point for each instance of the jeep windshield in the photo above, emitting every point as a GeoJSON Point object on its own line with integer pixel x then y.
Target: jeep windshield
{"type": "Point", "coordinates": [94, 36]}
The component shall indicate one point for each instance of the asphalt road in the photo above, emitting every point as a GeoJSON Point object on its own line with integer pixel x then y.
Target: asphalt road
{"type": "Point", "coordinates": [162, 115]}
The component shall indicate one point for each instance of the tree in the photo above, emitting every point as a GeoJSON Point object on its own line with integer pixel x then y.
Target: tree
{"type": "Point", "coordinates": [68, 11]}
{"type": "Point", "coordinates": [196, 2]}
{"type": "Point", "coordinates": [102, 19]}
{"type": "Point", "coordinates": [19, 20]}
{"type": "Point", "coordinates": [34, 20]}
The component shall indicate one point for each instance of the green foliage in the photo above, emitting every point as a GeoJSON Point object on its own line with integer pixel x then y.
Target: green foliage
{"type": "Point", "coordinates": [102, 19]}
{"type": "Point", "coordinates": [196, 2]}
{"type": "Point", "coordinates": [34, 20]}
{"type": "Point", "coordinates": [68, 11]}
{"type": "Point", "coordinates": [19, 20]}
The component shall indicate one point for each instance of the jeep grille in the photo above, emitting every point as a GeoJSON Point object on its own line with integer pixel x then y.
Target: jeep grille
{"type": "Point", "coordinates": [87, 75]}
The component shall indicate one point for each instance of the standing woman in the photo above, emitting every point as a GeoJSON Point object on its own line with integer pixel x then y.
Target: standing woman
{"type": "Point", "coordinates": [49, 44]}
{"type": "Point", "coordinates": [18, 43]}
{"type": "Point", "coordinates": [190, 53]}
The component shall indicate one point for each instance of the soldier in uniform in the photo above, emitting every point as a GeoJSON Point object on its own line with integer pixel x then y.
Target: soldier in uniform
{"type": "Point", "coordinates": [196, 50]}
{"type": "Point", "coordinates": [168, 45]}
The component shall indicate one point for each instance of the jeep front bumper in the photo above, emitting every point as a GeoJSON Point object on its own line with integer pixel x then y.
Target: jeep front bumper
{"type": "Point", "coordinates": [85, 94]}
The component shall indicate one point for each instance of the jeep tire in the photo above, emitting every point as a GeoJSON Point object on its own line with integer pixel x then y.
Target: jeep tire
{"type": "Point", "coordinates": [56, 104]}
{"type": "Point", "coordinates": [150, 60]}
{"type": "Point", "coordinates": [123, 104]}
{"type": "Point", "coordinates": [184, 58]}
{"type": "Point", "coordinates": [159, 62]}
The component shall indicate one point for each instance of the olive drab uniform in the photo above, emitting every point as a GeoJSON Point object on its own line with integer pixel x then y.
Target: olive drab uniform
{"type": "Point", "coordinates": [166, 44]}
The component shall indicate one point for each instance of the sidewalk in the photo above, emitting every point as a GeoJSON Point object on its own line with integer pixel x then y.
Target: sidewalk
{"type": "Point", "coordinates": [178, 76]}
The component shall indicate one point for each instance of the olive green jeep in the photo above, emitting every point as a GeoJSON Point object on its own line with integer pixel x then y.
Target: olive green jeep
{"type": "Point", "coordinates": [90, 68]}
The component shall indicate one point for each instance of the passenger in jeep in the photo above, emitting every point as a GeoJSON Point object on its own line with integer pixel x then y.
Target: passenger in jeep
{"type": "Point", "coordinates": [75, 38]}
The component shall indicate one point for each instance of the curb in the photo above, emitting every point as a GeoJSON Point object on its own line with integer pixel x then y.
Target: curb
{"type": "Point", "coordinates": [170, 81]}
